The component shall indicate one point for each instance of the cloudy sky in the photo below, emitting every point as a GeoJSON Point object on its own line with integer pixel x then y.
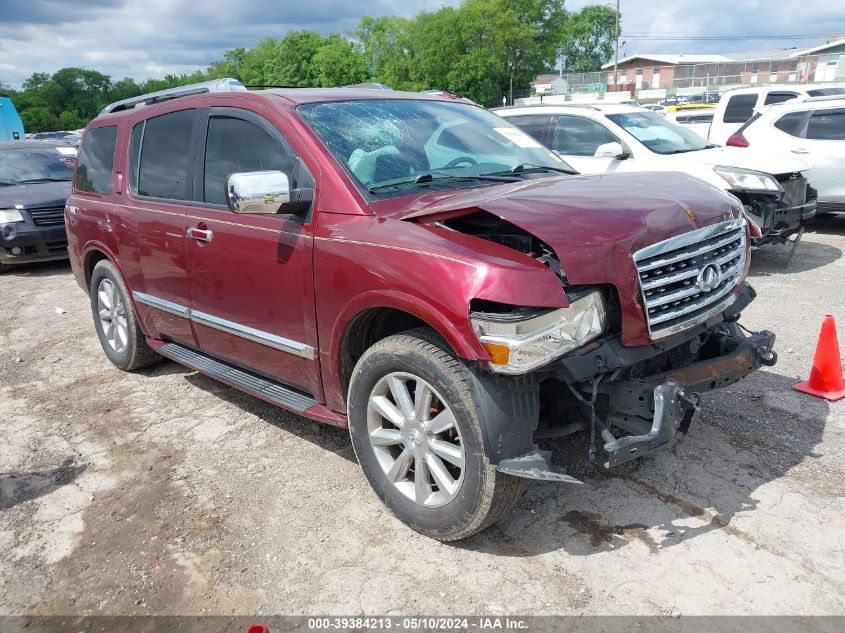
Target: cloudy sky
{"type": "Point", "coordinates": [149, 38]}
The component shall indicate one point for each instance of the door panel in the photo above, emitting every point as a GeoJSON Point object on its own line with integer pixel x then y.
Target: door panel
{"type": "Point", "coordinates": [161, 150]}
{"type": "Point", "coordinates": [251, 275]}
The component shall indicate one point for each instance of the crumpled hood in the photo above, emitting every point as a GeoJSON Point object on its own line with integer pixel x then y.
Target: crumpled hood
{"type": "Point", "coordinates": [745, 158]}
{"type": "Point", "coordinates": [587, 219]}
{"type": "Point", "coordinates": [595, 223]}
{"type": "Point", "coordinates": [37, 194]}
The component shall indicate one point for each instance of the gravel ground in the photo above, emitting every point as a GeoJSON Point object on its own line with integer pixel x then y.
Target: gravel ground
{"type": "Point", "coordinates": [164, 492]}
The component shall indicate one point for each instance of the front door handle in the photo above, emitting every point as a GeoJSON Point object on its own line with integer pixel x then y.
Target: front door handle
{"type": "Point", "coordinates": [800, 150]}
{"type": "Point", "coordinates": [200, 235]}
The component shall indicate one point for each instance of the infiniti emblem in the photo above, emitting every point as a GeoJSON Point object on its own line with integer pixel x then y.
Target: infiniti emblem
{"type": "Point", "coordinates": [709, 277]}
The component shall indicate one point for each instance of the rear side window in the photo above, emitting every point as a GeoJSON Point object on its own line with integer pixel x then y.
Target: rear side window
{"type": "Point", "coordinates": [827, 125]}
{"type": "Point", "coordinates": [791, 123]}
{"type": "Point", "coordinates": [234, 146]}
{"type": "Point", "coordinates": [576, 136]}
{"type": "Point", "coordinates": [740, 108]}
{"type": "Point", "coordinates": [532, 124]}
{"type": "Point", "coordinates": [96, 158]}
{"type": "Point", "coordinates": [779, 97]}
{"type": "Point", "coordinates": [164, 169]}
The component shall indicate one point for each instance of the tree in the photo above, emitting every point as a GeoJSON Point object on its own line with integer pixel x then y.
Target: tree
{"type": "Point", "coordinates": [338, 63]}
{"type": "Point", "coordinates": [588, 38]}
{"type": "Point", "coordinates": [39, 119]}
{"type": "Point", "coordinates": [388, 50]}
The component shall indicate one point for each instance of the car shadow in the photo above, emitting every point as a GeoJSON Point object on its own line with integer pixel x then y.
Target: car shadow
{"type": "Point", "coordinates": [750, 434]}
{"type": "Point", "coordinates": [326, 436]}
{"type": "Point", "coordinates": [809, 255]}
{"type": "Point", "coordinates": [17, 488]}
{"type": "Point", "coordinates": [39, 269]}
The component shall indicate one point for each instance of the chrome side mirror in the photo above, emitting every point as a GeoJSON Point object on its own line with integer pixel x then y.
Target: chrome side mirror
{"type": "Point", "coordinates": [261, 192]}
{"type": "Point", "coordinates": [610, 150]}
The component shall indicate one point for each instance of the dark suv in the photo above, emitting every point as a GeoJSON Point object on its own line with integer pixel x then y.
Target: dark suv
{"type": "Point", "coordinates": [34, 185]}
{"type": "Point", "coordinates": [417, 269]}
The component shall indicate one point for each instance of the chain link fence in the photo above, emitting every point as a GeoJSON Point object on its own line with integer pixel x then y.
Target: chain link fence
{"type": "Point", "coordinates": [644, 80]}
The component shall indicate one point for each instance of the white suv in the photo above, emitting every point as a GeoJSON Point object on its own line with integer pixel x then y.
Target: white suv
{"type": "Point", "coordinates": [812, 128]}
{"type": "Point", "coordinates": [598, 139]}
{"type": "Point", "coordinates": [737, 106]}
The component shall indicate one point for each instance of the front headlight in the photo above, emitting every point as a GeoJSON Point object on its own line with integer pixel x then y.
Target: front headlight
{"type": "Point", "coordinates": [747, 179]}
{"type": "Point", "coordinates": [517, 344]}
{"type": "Point", "coordinates": [10, 215]}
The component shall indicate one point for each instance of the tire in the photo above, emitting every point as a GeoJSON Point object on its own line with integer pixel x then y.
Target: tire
{"type": "Point", "coordinates": [420, 362]}
{"type": "Point", "coordinates": [125, 344]}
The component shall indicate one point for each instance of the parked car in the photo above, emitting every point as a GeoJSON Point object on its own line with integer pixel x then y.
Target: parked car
{"type": "Point", "coordinates": [11, 126]}
{"type": "Point", "coordinates": [696, 117]}
{"type": "Point", "coordinates": [814, 129]}
{"type": "Point", "coordinates": [34, 184]}
{"type": "Point", "coordinates": [709, 97]}
{"type": "Point", "coordinates": [600, 139]}
{"type": "Point", "coordinates": [735, 107]}
{"type": "Point", "coordinates": [414, 268]}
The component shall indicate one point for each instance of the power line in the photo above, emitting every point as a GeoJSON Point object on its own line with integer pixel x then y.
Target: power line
{"type": "Point", "coordinates": [701, 38]}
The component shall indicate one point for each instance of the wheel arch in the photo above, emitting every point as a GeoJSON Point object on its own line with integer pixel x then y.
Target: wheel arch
{"type": "Point", "coordinates": [375, 316]}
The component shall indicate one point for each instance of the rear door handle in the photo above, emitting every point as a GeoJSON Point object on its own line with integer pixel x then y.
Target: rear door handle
{"type": "Point", "coordinates": [800, 150]}
{"type": "Point", "coordinates": [200, 235]}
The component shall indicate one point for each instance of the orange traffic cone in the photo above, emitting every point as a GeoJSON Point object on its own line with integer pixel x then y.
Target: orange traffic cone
{"type": "Point", "coordinates": [826, 376]}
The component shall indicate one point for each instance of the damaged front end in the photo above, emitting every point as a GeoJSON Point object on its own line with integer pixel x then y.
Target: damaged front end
{"type": "Point", "coordinates": [779, 214]}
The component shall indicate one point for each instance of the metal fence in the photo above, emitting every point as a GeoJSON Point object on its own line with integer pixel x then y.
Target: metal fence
{"type": "Point", "coordinates": [656, 80]}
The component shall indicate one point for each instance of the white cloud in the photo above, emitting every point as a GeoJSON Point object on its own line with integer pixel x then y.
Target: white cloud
{"type": "Point", "coordinates": [147, 38]}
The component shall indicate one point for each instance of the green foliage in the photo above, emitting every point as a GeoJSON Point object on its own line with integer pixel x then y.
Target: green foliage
{"type": "Point", "coordinates": [479, 49]}
{"type": "Point", "coordinates": [589, 38]}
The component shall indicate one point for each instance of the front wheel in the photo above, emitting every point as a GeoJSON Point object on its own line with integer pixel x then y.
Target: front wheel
{"type": "Point", "coordinates": [115, 320]}
{"type": "Point", "coordinates": [418, 437]}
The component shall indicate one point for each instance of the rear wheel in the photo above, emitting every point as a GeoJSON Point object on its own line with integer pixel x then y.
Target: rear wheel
{"type": "Point", "coordinates": [115, 320]}
{"type": "Point", "coordinates": [418, 438]}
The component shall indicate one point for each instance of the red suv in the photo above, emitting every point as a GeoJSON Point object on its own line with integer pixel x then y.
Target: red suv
{"type": "Point", "coordinates": [417, 269]}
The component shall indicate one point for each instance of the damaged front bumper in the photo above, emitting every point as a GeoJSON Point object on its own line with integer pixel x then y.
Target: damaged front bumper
{"type": "Point", "coordinates": [650, 410]}
{"type": "Point", "coordinates": [625, 396]}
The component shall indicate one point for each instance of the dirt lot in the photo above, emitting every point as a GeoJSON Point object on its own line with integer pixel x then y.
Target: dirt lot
{"type": "Point", "coordinates": [166, 492]}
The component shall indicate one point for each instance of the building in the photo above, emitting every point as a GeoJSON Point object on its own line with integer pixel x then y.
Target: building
{"type": "Point", "coordinates": [820, 64]}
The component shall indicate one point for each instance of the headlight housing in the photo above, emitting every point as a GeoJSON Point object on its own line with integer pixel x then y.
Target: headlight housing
{"type": "Point", "coordinates": [8, 216]}
{"type": "Point", "coordinates": [748, 179]}
{"type": "Point", "coordinates": [518, 343]}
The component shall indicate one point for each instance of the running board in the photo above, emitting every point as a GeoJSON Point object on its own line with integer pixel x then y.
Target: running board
{"type": "Point", "coordinates": [260, 387]}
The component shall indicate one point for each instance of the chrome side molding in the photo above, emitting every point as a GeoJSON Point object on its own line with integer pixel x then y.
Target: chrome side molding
{"type": "Point", "coordinates": [230, 327]}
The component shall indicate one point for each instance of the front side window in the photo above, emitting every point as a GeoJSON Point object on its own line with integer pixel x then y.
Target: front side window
{"type": "Point", "coordinates": [658, 134]}
{"type": "Point", "coordinates": [827, 125]}
{"type": "Point", "coordinates": [739, 108]}
{"type": "Point", "coordinates": [577, 136]}
{"type": "Point", "coordinates": [96, 159]}
{"type": "Point", "coordinates": [36, 164]}
{"type": "Point", "coordinates": [413, 142]}
{"type": "Point", "coordinates": [234, 146]}
{"type": "Point", "coordinates": [164, 169]}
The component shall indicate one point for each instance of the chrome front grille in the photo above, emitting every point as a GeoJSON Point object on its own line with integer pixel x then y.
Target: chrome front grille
{"type": "Point", "coordinates": [688, 278]}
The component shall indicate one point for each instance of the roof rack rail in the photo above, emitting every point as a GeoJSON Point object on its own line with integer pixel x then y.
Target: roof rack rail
{"type": "Point", "coordinates": [215, 85]}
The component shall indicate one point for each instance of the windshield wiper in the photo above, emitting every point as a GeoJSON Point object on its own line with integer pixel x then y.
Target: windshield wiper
{"type": "Point", "coordinates": [33, 180]}
{"type": "Point", "coordinates": [427, 177]}
{"type": "Point", "coordinates": [3, 183]}
{"type": "Point", "coordinates": [531, 168]}
{"type": "Point", "coordinates": [690, 149]}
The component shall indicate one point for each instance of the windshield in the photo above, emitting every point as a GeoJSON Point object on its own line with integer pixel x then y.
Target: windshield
{"type": "Point", "coordinates": [658, 134]}
{"type": "Point", "coordinates": [387, 145]}
{"type": "Point", "coordinates": [40, 164]}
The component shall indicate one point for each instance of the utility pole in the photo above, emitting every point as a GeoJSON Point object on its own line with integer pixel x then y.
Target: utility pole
{"type": "Point", "coordinates": [616, 62]}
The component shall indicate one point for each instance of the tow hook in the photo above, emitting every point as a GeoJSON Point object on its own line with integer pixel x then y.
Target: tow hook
{"type": "Point", "coordinates": [674, 410]}
{"type": "Point", "coordinates": [768, 357]}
